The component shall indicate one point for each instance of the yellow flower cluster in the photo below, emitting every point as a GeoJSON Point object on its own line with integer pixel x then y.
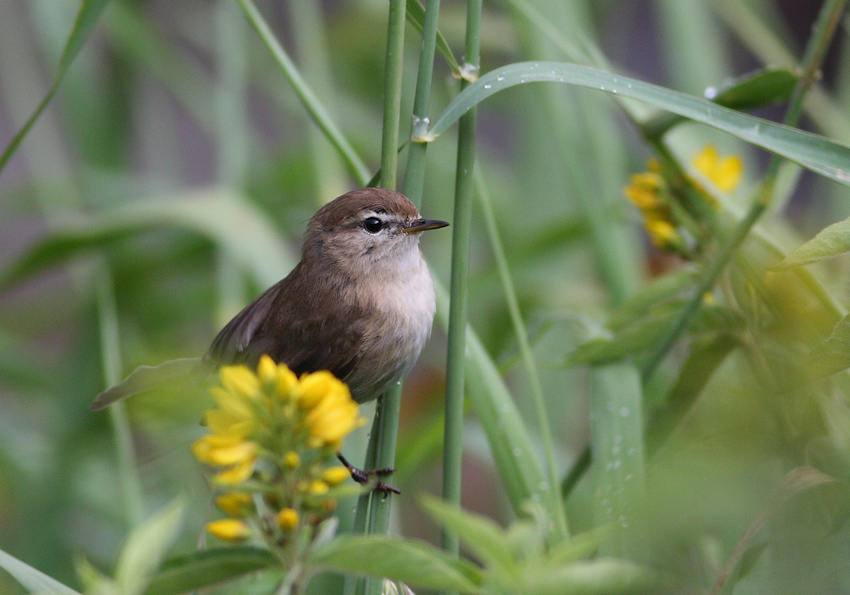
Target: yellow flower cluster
{"type": "Point", "coordinates": [724, 173]}
{"type": "Point", "coordinates": [650, 193]}
{"type": "Point", "coordinates": [272, 437]}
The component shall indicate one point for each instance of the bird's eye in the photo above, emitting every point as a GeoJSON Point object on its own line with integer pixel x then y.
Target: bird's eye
{"type": "Point", "coordinates": [373, 224]}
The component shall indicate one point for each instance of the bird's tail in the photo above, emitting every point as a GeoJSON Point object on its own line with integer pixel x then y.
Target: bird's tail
{"type": "Point", "coordinates": [145, 378]}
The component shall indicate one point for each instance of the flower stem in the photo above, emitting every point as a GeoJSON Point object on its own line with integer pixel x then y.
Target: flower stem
{"type": "Point", "coordinates": [459, 292]}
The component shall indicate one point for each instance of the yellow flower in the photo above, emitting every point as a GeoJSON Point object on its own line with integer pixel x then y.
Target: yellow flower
{"type": "Point", "coordinates": [224, 450]}
{"type": "Point", "coordinates": [233, 404]}
{"type": "Point", "coordinates": [288, 519]}
{"type": "Point", "coordinates": [318, 386]}
{"type": "Point", "coordinates": [229, 529]}
{"type": "Point", "coordinates": [291, 459]}
{"type": "Point", "coordinates": [235, 503]}
{"type": "Point", "coordinates": [661, 232]}
{"type": "Point", "coordinates": [724, 173]}
{"type": "Point", "coordinates": [332, 419]}
{"type": "Point", "coordinates": [643, 191]}
{"type": "Point", "coordinates": [335, 475]}
{"type": "Point", "coordinates": [224, 423]}
{"type": "Point", "coordinates": [236, 474]}
{"type": "Point", "coordinates": [318, 487]}
{"type": "Point", "coordinates": [240, 381]}
{"type": "Point", "coordinates": [267, 370]}
{"type": "Point", "coordinates": [286, 383]}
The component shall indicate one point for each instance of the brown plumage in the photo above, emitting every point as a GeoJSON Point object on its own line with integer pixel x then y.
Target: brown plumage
{"type": "Point", "coordinates": [360, 303]}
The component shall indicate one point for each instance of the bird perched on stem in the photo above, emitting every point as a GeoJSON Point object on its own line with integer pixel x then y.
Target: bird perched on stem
{"type": "Point", "coordinates": [360, 304]}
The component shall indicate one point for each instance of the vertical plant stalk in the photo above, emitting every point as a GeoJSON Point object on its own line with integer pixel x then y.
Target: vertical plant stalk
{"type": "Point", "coordinates": [459, 291]}
{"type": "Point", "coordinates": [231, 136]}
{"type": "Point", "coordinates": [824, 29]}
{"type": "Point", "coordinates": [110, 353]}
{"type": "Point", "coordinates": [560, 520]}
{"type": "Point", "coordinates": [384, 434]}
{"type": "Point", "coordinates": [414, 175]}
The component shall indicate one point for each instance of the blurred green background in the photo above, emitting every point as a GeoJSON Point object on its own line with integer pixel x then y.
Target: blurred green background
{"type": "Point", "coordinates": [172, 176]}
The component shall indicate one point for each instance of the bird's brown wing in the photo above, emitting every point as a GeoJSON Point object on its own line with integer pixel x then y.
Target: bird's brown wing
{"type": "Point", "coordinates": [307, 331]}
{"type": "Point", "coordinates": [231, 344]}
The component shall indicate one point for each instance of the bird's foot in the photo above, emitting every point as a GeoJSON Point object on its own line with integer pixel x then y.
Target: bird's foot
{"type": "Point", "coordinates": [364, 477]}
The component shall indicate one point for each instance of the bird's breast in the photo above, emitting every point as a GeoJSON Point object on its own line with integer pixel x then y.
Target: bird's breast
{"type": "Point", "coordinates": [401, 312]}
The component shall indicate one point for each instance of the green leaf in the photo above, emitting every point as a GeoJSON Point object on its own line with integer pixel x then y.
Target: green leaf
{"type": "Point", "coordinates": [577, 547]}
{"type": "Point", "coordinates": [208, 567]}
{"type": "Point", "coordinates": [819, 154]}
{"type": "Point", "coordinates": [145, 378]}
{"type": "Point", "coordinates": [480, 534]}
{"type": "Point", "coordinates": [603, 576]}
{"type": "Point", "coordinates": [416, 17]}
{"type": "Point", "coordinates": [644, 333]}
{"type": "Point", "coordinates": [832, 355]}
{"type": "Point", "coordinates": [659, 291]}
{"type": "Point", "coordinates": [616, 425]}
{"type": "Point", "coordinates": [704, 359]}
{"type": "Point", "coordinates": [31, 579]}
{"type": "Point", "coordinates": [755, 89]}
{"type": "Point", "coordinates": [223, 217]}
{"type": "Point", "coordinates": [828, 243]}
{"type": "Point", "coordinates": [86, 18]}
{"type": "Point", "coordinates": [763, 87]}
{"type": "Point", "coordinates": [146, 547]}
{"type": "Point", "coordinates": [412, 562]}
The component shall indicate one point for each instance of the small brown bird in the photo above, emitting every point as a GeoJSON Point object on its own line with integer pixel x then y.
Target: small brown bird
{"type": "Point", "coordinates": [360, 303]}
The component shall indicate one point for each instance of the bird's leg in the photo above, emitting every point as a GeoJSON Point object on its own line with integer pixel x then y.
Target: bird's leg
{"type": "Point", "coordinates": [362, 477]}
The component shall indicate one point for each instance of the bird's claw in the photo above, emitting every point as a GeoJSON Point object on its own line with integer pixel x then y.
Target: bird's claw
{"type": "Point", "coordinates": [364, 477]}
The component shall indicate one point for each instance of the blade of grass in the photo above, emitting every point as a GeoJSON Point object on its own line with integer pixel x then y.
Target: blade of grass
{"type": "Point", "coordinates": [617, 443]}
{"type": "Point", "coordinates": [110, 353]}
{"type": "Point", "coordinates": [560, 521]}
{"type": "Point", "coordinates": [87, 16]}
{"type": "Point", "coordinates": [823, 156]}
{"type": "Point", "coordinates": [507, 435]}
{"type": "Point", "coordinates": [311, 103]}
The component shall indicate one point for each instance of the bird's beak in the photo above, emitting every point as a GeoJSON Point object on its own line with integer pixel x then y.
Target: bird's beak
{"type": "Point", "coordinates": [419, 225]}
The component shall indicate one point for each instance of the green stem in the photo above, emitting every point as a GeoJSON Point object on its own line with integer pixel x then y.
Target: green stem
{"type": "Point", "coordinates": [110, 350]}
{"type": "Point", "coordinates": [524, 347]}
{"type": "Point", "coordinates": [459, 292]}
{"type": "Point", "coordinates": [314, 107]}
{"type": "Point", "coordinates": [385, 431]}
{"type": "Point", "coordinates": [815, 51]}
{"type": "Point", "coordinates": [392, 93]}
{"type": "Point", "coordinates": [414, 176]}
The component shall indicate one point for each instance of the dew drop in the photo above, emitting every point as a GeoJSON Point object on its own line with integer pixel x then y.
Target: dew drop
{"type": "Point", "coordinates": [517, 452]}
{"type": "Point", "coordinates": [535, 497]}
{"type": "Point", "coordinates": [624, 412]}
{"type": "Point", "coordinates": [500, 78]}
{"type": "Point", "coordinates": [487, 86]}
